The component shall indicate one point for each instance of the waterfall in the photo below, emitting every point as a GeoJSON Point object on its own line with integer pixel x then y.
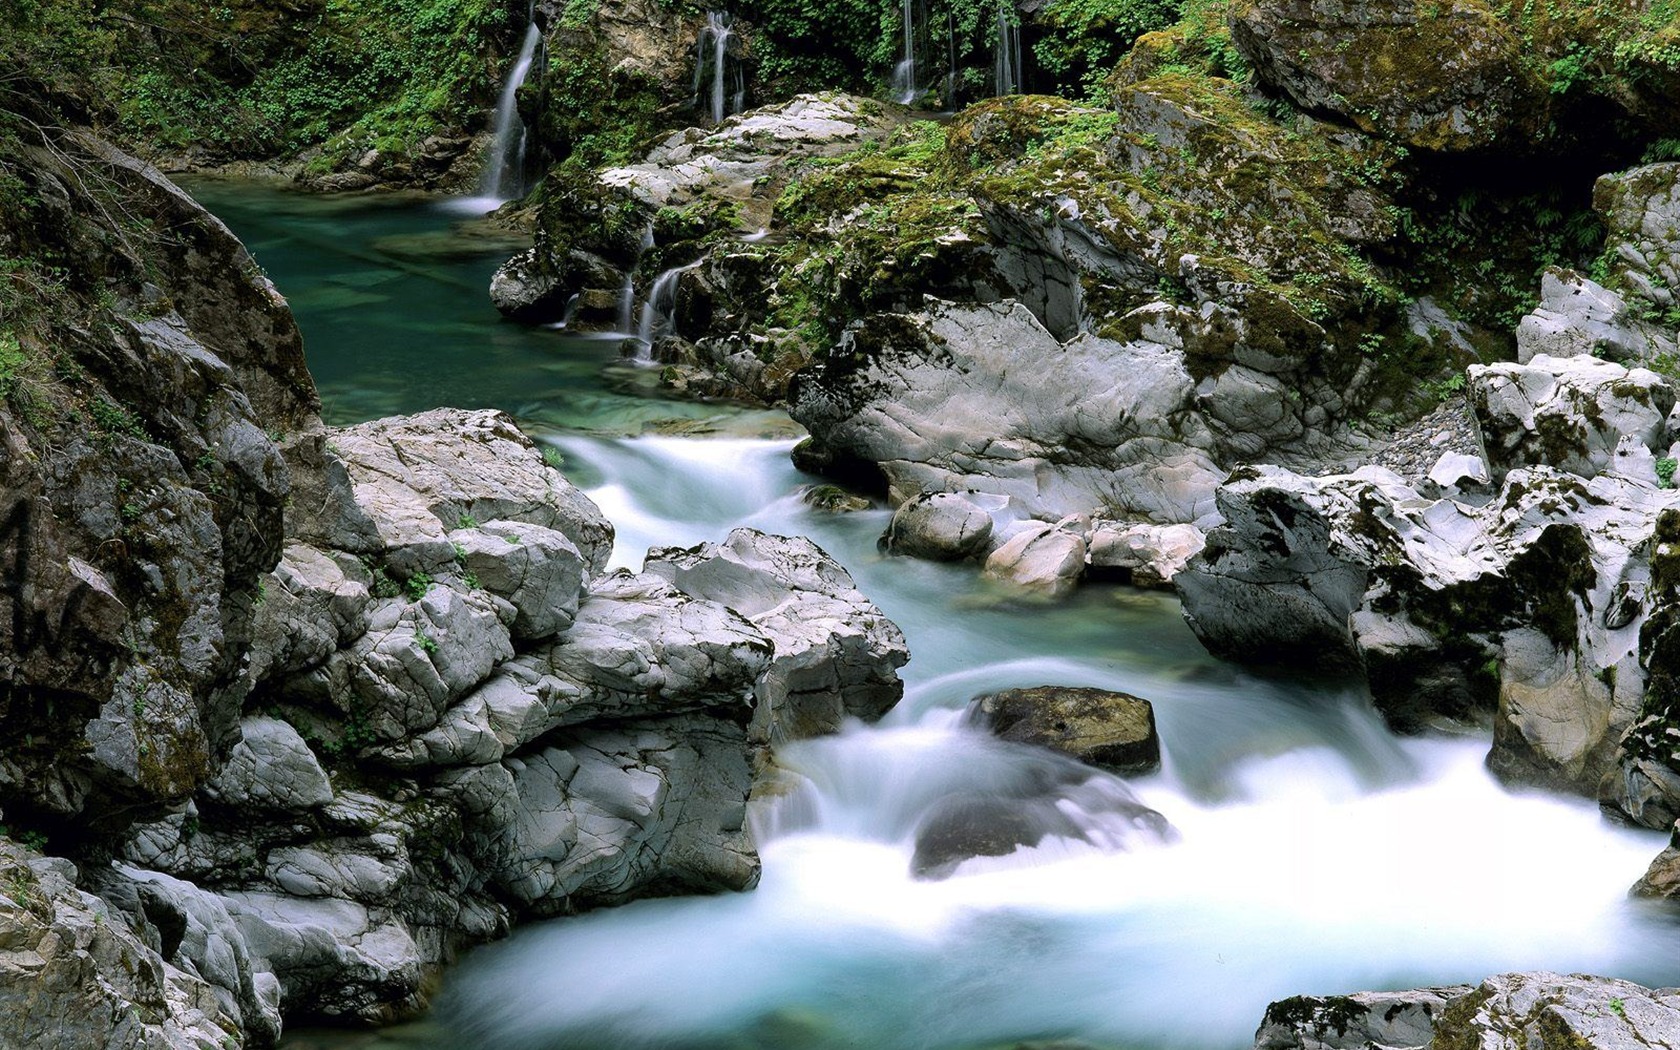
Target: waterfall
{"type": "Point", "coordinates": [904, 76]}
{"type": "Point", "coordinates": [504, 174]}
{"type": "Point", "coordinates": [627, 294]}
{"type": "Point", "coordinates": [659, 311]}
{"type": "Point", "coordinates": [711, 55]}
{"type": "Point", "coordinates": [1006, 65]}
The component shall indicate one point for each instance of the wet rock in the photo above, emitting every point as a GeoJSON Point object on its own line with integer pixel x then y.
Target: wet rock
{"type": "Point", "coordinates": [524, 290]}
{"type": "Point", "coordinates": [1045, 798]}
{"type": "Point", "coordinates": [940, 526]}
{"type": "Point", "coordinates": [1109, 730]}
{"type": "Point", "coordinates": [834, 500]}
{"type": "Point", "coordinates": [836, 654]}
{"type": "Point", "coordinates": [1519, 606]}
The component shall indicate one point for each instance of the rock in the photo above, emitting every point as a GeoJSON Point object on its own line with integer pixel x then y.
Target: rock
{"type": "Point", "coordinates": [1522, 604]}
{"type": "Point", "coordinates": [1049, 426]}
{"type": "Point", "coordinates": [1577, 317]}
{"type": "Point", "coordinates": [1507, 1012]}
{"type": "Point", "coordinates": [752, 153]}
{"type": "Point", "coordinates": [1641, 211]}
{"type": "Point", "coordinates": [270, 768]}
{"type": "Point", "coordinates": [613, 813]}
{"type": "Point", "coordinates": [139, 510]}
{"type": "Point", "coordinates": [1041, 558]}
{"type": "Point", "coordinates": [941, 526]}
{"type": "Point", "coordinates": [1662, 879]}
{"type": "Point", "coordinates": [1387, 1020]}
{"type": "Point", "coordinates": [834, 500]}
{"type": "Point", "coordinates": [1457, 470]}
{"type": "Point", "coordinates": [1512, 1011]}
{"type": "Point", "coordinates": [1109, 730]}
{"type": "Point", "coordinates": [1569, 412]}
{"type": "Point", "coordinates": [1144, 555]}
{"type": "Point", "coordinates": [73, 972]}
{"type": "Point", "coordinates": [836, 654]}
{"type": "Point", "coordinates": [538, 570]}
{"type": "Point", "coordinates": [523, 290]}
{"type": "Point", "coordinates": [420, 477]}
{"type": "Point", "coordinates": [1448, 79]}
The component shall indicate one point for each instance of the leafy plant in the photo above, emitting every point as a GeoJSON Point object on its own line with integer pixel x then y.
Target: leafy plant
{"type": "Point", "coordinates": [1665, 471]}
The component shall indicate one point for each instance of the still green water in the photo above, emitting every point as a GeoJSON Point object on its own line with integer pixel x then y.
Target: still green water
{"type": "Point", "coordinates": [391, 294]}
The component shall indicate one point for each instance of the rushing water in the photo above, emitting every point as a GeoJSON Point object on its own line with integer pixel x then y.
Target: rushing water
{"type": "Point", "coordinates": [1315, 852]}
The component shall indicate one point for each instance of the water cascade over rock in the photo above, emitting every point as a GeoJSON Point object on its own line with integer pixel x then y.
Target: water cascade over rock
{"type": "Point", "coordinates": [1006, 63]}
{"type": "Point", "coordinates": [504, 170]}
{"type": "Point", "coordinates": [904, 75]}
{"type": "Point", "coordinates": [712, 66]}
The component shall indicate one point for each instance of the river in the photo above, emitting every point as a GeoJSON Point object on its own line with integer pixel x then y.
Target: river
{"type": "Point", "coordinates": [1315, 852]}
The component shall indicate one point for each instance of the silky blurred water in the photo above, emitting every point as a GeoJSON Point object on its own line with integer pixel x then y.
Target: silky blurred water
{"type": "Point", "coordinates": [1314, 851]}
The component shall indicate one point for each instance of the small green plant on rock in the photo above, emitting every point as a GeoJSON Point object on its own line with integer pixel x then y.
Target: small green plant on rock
{"type": "Point", "coordinates": [1665, 471]}
{"type": "Point", "coordinates": [417, 586]}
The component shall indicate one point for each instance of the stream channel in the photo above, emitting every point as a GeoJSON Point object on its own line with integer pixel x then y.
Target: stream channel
{"type": "Point", "coordinates": [1316, 852]}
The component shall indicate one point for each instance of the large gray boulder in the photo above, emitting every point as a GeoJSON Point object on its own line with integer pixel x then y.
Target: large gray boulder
{"type": "Point", "coordinates": [984, 398]}
{"type": "Point", "coordinates": [1579, 317]}
{"type": "Point", "coordinates": [940, 526]}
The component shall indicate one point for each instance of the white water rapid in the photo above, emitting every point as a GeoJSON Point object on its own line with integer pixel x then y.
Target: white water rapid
{"type": "Point", "coordinates": [1315, 852]}
{"type": "Point", "coordinates": [504, 170]}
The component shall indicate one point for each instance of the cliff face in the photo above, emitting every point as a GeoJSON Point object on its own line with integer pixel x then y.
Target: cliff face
{"type": "Point", "coordinates": [151, 377]}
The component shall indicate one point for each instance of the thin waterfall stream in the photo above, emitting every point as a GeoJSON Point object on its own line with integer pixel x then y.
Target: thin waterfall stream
{"type": "Point", "coordinates": [1314, 851]}
{"type": "Point", "coordinates": [504, 170]}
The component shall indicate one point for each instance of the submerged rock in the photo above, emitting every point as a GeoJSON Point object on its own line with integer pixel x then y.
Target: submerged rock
{"type": "Point", "coordinates": [1044, 798]}
{"type": "Point", "coordinates": [1109, 730]}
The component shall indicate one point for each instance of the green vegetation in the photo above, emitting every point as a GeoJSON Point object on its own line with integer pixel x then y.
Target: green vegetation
{"type": "Point", "coordinates": [1087, 38]}
{"type": "Point", "coordinates": [263, 78]}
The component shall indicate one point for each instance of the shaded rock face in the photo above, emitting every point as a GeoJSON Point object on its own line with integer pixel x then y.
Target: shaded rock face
{"type": "Point", "coordinates": [1446, 77]}
{"type": "Point", "coordinates": [1507, 1012]}
{"type": "Point", "coordinates": [1109, 730]}
{"type": "Point", "coordinates": [146, 441]}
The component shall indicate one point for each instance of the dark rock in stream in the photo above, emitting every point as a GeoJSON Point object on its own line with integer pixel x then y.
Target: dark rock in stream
{"type": "Point", "coordinates": [1109, 730]}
